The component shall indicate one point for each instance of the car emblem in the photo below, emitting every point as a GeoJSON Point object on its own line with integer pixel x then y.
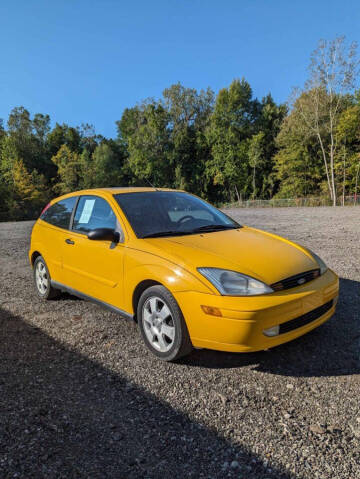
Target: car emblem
{"type": "Point", "coordinates": [301, 281]}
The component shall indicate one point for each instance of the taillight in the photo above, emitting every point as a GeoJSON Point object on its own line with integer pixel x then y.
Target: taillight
{"type": "Point", "coordinates": [46, 207]}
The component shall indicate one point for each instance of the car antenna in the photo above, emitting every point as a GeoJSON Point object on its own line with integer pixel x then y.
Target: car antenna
{"type": "Point", "coordinates": [149, 182]}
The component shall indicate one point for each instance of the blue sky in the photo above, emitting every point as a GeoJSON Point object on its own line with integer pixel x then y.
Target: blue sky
{"type": "Point", "coordinates": [86, 60]}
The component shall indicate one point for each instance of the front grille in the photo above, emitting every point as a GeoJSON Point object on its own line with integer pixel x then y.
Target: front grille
{"type": "Point", "coordinates": [305, 318]}
{"type": "Point", "coordinates": [297, 280]}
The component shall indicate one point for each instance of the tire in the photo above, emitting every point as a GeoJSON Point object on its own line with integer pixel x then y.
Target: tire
{"type": "Point", "coordinates": [42, 280]}
{"type": "Point", "coordinates": [162, 324]}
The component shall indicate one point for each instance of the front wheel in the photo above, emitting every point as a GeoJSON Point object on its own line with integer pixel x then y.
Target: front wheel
{"type": "Point", "coordinates": [162, 324]}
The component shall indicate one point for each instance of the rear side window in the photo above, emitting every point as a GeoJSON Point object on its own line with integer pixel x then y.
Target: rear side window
{"type": "Point", "coordinates": [59, 213]}
{"type": "Point", "coordinates": [93, 212]}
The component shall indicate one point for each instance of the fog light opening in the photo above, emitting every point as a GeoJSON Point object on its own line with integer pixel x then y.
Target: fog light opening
{"type": "Point", "coordinates": [273, 331]}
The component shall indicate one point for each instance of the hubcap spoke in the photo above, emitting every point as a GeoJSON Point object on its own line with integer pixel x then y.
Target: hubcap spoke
{"type": "Point", "coordinates": [164, 312]}
{"type": "Point", "coordinates": [168, 331]}
{"type": "Point", "coordinates": [163, 346]}
{"type": "Point", "coordinates": [147, 316]}
{"type": "Point", "coordinates": [153, 305]}
{"type": "Point", "coordinates": [158, 324]}
{"type": "Point", "coordinates": [41, 278]}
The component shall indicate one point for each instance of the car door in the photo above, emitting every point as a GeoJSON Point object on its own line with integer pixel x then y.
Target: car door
{"type": "Point", "coordinates": [53, 229]}
{"type": "Point", "coordinates": [94, 268]}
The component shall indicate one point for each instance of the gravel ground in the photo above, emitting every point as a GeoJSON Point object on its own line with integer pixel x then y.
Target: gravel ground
{"type": "Point", "coordinates": [80, 396]}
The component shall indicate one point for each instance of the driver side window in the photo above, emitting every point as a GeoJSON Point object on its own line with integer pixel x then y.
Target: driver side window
{"type": "Point", "coordinates": [93, 212]}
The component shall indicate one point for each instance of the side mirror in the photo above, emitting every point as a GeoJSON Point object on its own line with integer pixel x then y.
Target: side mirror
{"type": "Point", "coordinates": [104, 234]}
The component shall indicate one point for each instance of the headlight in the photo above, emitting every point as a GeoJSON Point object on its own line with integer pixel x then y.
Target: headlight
{"type": "Point", "coordinates": [320, 262]}
{"type": "Point", "coordinates": [231, 283]}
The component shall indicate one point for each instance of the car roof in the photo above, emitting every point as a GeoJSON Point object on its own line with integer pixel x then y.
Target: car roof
{"type": "Point", "coordinates": [112, 191]}
{"type": "Point", "coordinates": [133, 189]}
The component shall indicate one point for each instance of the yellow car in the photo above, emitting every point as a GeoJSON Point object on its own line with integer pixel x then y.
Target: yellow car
{"type": "Point", "coordinates": [188, 274]}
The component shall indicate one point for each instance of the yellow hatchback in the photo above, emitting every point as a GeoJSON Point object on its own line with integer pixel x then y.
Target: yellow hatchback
{"type": "Point", "coordinates": [187, 273]}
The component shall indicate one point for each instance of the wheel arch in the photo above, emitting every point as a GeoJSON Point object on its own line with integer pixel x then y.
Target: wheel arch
{"type": "Point", "coordinates": [34, 255]}
{"type": "Point", "coordinates": [138, 291]}
{"type": "Point", "coordinates": [170, 276]}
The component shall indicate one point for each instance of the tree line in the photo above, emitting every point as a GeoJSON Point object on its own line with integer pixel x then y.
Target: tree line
{"type": "Point", "coordinates": [223, 147]}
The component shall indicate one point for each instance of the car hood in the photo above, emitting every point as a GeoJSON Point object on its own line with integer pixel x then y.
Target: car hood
{"type": "Point", "coordinates": [259, 254]}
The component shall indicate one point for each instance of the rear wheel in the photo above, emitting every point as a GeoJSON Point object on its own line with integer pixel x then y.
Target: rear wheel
{"type": "Point", "coordinates": [162, 324]}
{"type": "Point", "coordinates": [43, 281]}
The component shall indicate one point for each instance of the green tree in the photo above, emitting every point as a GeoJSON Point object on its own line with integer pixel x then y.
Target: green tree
{"type": "Point", "coordinates": [232, 124]}
{"type": "Point", "coordinates": [166, 138]}
{"type": "Point", "coordinates": [107, 164]}
{"type": "Point", "coordinates": [189, 115]}
{"type": "Point", "coordinates": [29, 192]}
{"type": "Point", "coordinates": [20, 136]}
{"type": "Point", "coordinates": [333, 69]}
{"type": "Point", "coordinates": [185, 140]}
{"type": "Point", "coordinates": [68, 170]}
{"type": "Point", "coordinates": [298, 167]}
{"type": "Point", "coordinates": [2, 130]}
{"type": "Point", "coordinates": [28, 139]}
{"type": "Point", "coordinates": [148, 142]}
{"type": "Point", "coordinates": [347, 160]}
{"type": "Point", "coordinates": [89, 139]}
{"type": "Point", "coordinates": [256, 157]}
{"type": "Point", "coordinates": [269, 124]}
{"type": "Point", "coordinates": [63, 135]}
{"type": "Point", "coordinates": [296, 173]}
{"type": "Point", "coordinates": [41, 126]}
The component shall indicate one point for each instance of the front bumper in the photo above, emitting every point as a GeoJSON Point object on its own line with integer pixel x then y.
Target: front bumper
{"type": "Point", "coordinates": [240, 329]}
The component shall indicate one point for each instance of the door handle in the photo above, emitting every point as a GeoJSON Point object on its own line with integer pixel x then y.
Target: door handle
{"type": "Point", "coordinates": [69, 241]}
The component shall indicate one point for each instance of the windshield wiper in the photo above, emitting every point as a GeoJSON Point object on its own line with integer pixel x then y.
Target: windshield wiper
{"type": "Point", "coordinates": [158, 234]}
{"type": "Point", "coordinates": [214, 228]}
{"type": "Point", "coordinates": [206, 228]}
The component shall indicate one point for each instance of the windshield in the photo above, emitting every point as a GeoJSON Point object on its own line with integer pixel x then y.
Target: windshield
{"type": "Point", "coordinates": [171, 213]}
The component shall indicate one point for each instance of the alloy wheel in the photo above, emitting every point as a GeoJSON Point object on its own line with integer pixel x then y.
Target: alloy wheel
{"type": "Point", "coordinates": [42, 280]}
{"type": "Point", "coordinates": [158, 324]}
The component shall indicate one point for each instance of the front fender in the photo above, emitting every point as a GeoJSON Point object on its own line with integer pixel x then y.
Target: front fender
{"type": "Point", "coordinates": [141, 266]}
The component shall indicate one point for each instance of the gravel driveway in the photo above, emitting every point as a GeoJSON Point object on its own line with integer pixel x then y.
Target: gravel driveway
{"type": "Point", "coordinates": [80, 396]}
